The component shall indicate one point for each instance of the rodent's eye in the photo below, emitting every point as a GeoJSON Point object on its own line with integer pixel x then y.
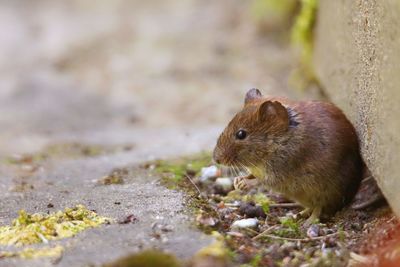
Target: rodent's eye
{"type": "Point", "coordinates": [241, 134]}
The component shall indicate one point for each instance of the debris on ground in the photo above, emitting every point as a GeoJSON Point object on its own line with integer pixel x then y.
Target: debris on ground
{"type": "Point", "coordinates": [261, 228]}
{"type": "Point", "coordinates": [41, 228]}
{"type": "Point", "coordinates": [115, 177]}
{"type": "Point", "coordinates": [128, 219]}
{"type": "Point", "coordinates": [32, 253]}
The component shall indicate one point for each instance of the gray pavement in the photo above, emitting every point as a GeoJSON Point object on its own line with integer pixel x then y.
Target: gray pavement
{"type": "Point", "coordinates": [160, 77]}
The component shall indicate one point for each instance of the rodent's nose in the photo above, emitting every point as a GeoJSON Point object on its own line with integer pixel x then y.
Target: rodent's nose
{"type": "Point", "coordinates": [216, 158]}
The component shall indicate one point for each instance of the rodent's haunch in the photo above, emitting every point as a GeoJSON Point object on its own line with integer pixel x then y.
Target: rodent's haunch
{"type": "Point", "coordinates": [306, 150]}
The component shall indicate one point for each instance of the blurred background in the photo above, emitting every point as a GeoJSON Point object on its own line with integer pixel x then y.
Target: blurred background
{"type": "Point", "coordinates": [69, 68]}
{"type": "Point", "coordinates": [88, 88]}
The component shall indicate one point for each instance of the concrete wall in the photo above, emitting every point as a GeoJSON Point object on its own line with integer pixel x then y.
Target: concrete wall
{"type": "Point", "coordinates": [357, 59]}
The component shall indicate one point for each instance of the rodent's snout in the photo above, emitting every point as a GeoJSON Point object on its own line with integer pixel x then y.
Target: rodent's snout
{"type": "Point", "coordinates": [216, 159]}
{"type": "Point", "coordinates": [217, 156]}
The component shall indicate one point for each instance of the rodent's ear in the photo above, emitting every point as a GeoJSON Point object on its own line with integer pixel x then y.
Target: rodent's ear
{"type": "Point", "coordinates": [274, 111]}
{"type": "Point", "coordinates": [252, 94]}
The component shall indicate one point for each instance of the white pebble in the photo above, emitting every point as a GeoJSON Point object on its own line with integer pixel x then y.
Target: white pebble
{"type": "Point", "coordinates": [313, 231]}
{"type": "Point", "coordinates": [225, 182]}
{"type": "Point", "coordinates": [209, 172]}
{"type": "Point", "coordinates": [245, 223]}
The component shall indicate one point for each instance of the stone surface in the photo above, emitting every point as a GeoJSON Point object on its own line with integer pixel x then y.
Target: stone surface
{"type": "Point", "coordinates": [357, 60]}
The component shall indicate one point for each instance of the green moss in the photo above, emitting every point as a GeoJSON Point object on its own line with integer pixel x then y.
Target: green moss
{"type": "Point", "coordinates": [260, 199]}
{"type": "Point", "coordinates": [290, 228]}
{"type": "Point", "coordinates": [302, 34]}
{"type": "Point", "coordinates": [41, 228]}
{"type": "Point", "coordinates": [255, 262]}
{"type": "Point", "coordinates": [174, 175]}
{"type": "Point", "coordinates": [148, 258]}
{"type": "Point", "coordinates": [232, 196]}
{"type": "Point", "coordinates": [173, 172]}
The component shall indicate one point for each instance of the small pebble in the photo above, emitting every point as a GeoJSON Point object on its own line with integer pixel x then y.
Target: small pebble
{"type": "Point", "coordinates": [288, 246]}
{"type": "Point", "coordinates": [313, 231]}
{"type": "Point", "coordinates": [128, 219]}
{"type": "Point", "coordinates": [221, 205]}
{"type": "Point", "coordinates": [245, 223]}
{"type": "Point", "coordinates": [206, 220]}
{"type": "Point", "coordinates": [251, 210]}
{"type": "Point", "coordinates": [167, 228]}
{"type": "Point", "coordinates": [28, 168]}
{"type": "Point", "coordinates": [209, 172]}
{"type": "Point", "coordinates": [225, 182]}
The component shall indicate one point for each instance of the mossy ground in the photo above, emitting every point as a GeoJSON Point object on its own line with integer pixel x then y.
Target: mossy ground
{"type": "Point", "coordinates": [280, 239]}
{"type": "Point", "coordinates": [35, 228]}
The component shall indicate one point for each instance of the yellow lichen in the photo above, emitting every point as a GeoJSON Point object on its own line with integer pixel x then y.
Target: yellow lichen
{"type": "Point", "coordinates": [217, 252]}
{"type": "Point", "coordinates": [302, 34]}
{"type": "Point", "coordinates": [40, 228]}
{"type": "Point", "coordinates": [32, 253]}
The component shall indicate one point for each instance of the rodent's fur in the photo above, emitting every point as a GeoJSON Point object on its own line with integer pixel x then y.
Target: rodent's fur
{"type": "Point", "coordinates": [306, 150]}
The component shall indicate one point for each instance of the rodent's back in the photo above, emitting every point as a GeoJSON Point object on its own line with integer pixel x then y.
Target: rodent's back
{"type": "Point", "coordinates": [333, 141]}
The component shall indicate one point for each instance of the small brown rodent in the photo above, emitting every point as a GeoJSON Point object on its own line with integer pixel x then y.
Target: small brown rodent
{"type": "Point", "coordinates": [306, 150]}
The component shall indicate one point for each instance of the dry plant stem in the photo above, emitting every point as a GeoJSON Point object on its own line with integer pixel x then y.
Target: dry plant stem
{"type": "Point", "coordinates": [252, 231]}
{"type": "Point", "coordinates": [299, 239]}
{"type": "Point", "coordinates": [366, 179]}
{"type": "Point", "coordinates": [267, 231]}
{"type": "Point", "coordinates": [195, 186]}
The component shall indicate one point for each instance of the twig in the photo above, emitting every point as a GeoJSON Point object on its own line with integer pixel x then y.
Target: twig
{"type": "Point", "coordinates": [235, 234]}
{"type": "Point", "coordinates": [366, 179]}
{"type": "Point", "coordinates": [299, 239]}
{"type": "Point", "coordinates": [267, 231]}
{"type": "Point", "coordinates": [232, 205]}
{"type": "Point", "coordinates": [195, 186]}
{"type": "Point", "coordinates": [250, 231]}
{"type": "Point", "coordinates": [284, 205]}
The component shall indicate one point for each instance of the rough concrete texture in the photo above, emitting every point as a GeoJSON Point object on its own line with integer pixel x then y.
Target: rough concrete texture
{"type": "Point", "coordinates": [162, 77]}
{"type": "Point", "coordinates": [357, 60]}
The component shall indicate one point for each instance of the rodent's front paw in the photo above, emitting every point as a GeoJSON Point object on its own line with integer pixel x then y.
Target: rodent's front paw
{"type": "Point", "coordinates": [242, 183]}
